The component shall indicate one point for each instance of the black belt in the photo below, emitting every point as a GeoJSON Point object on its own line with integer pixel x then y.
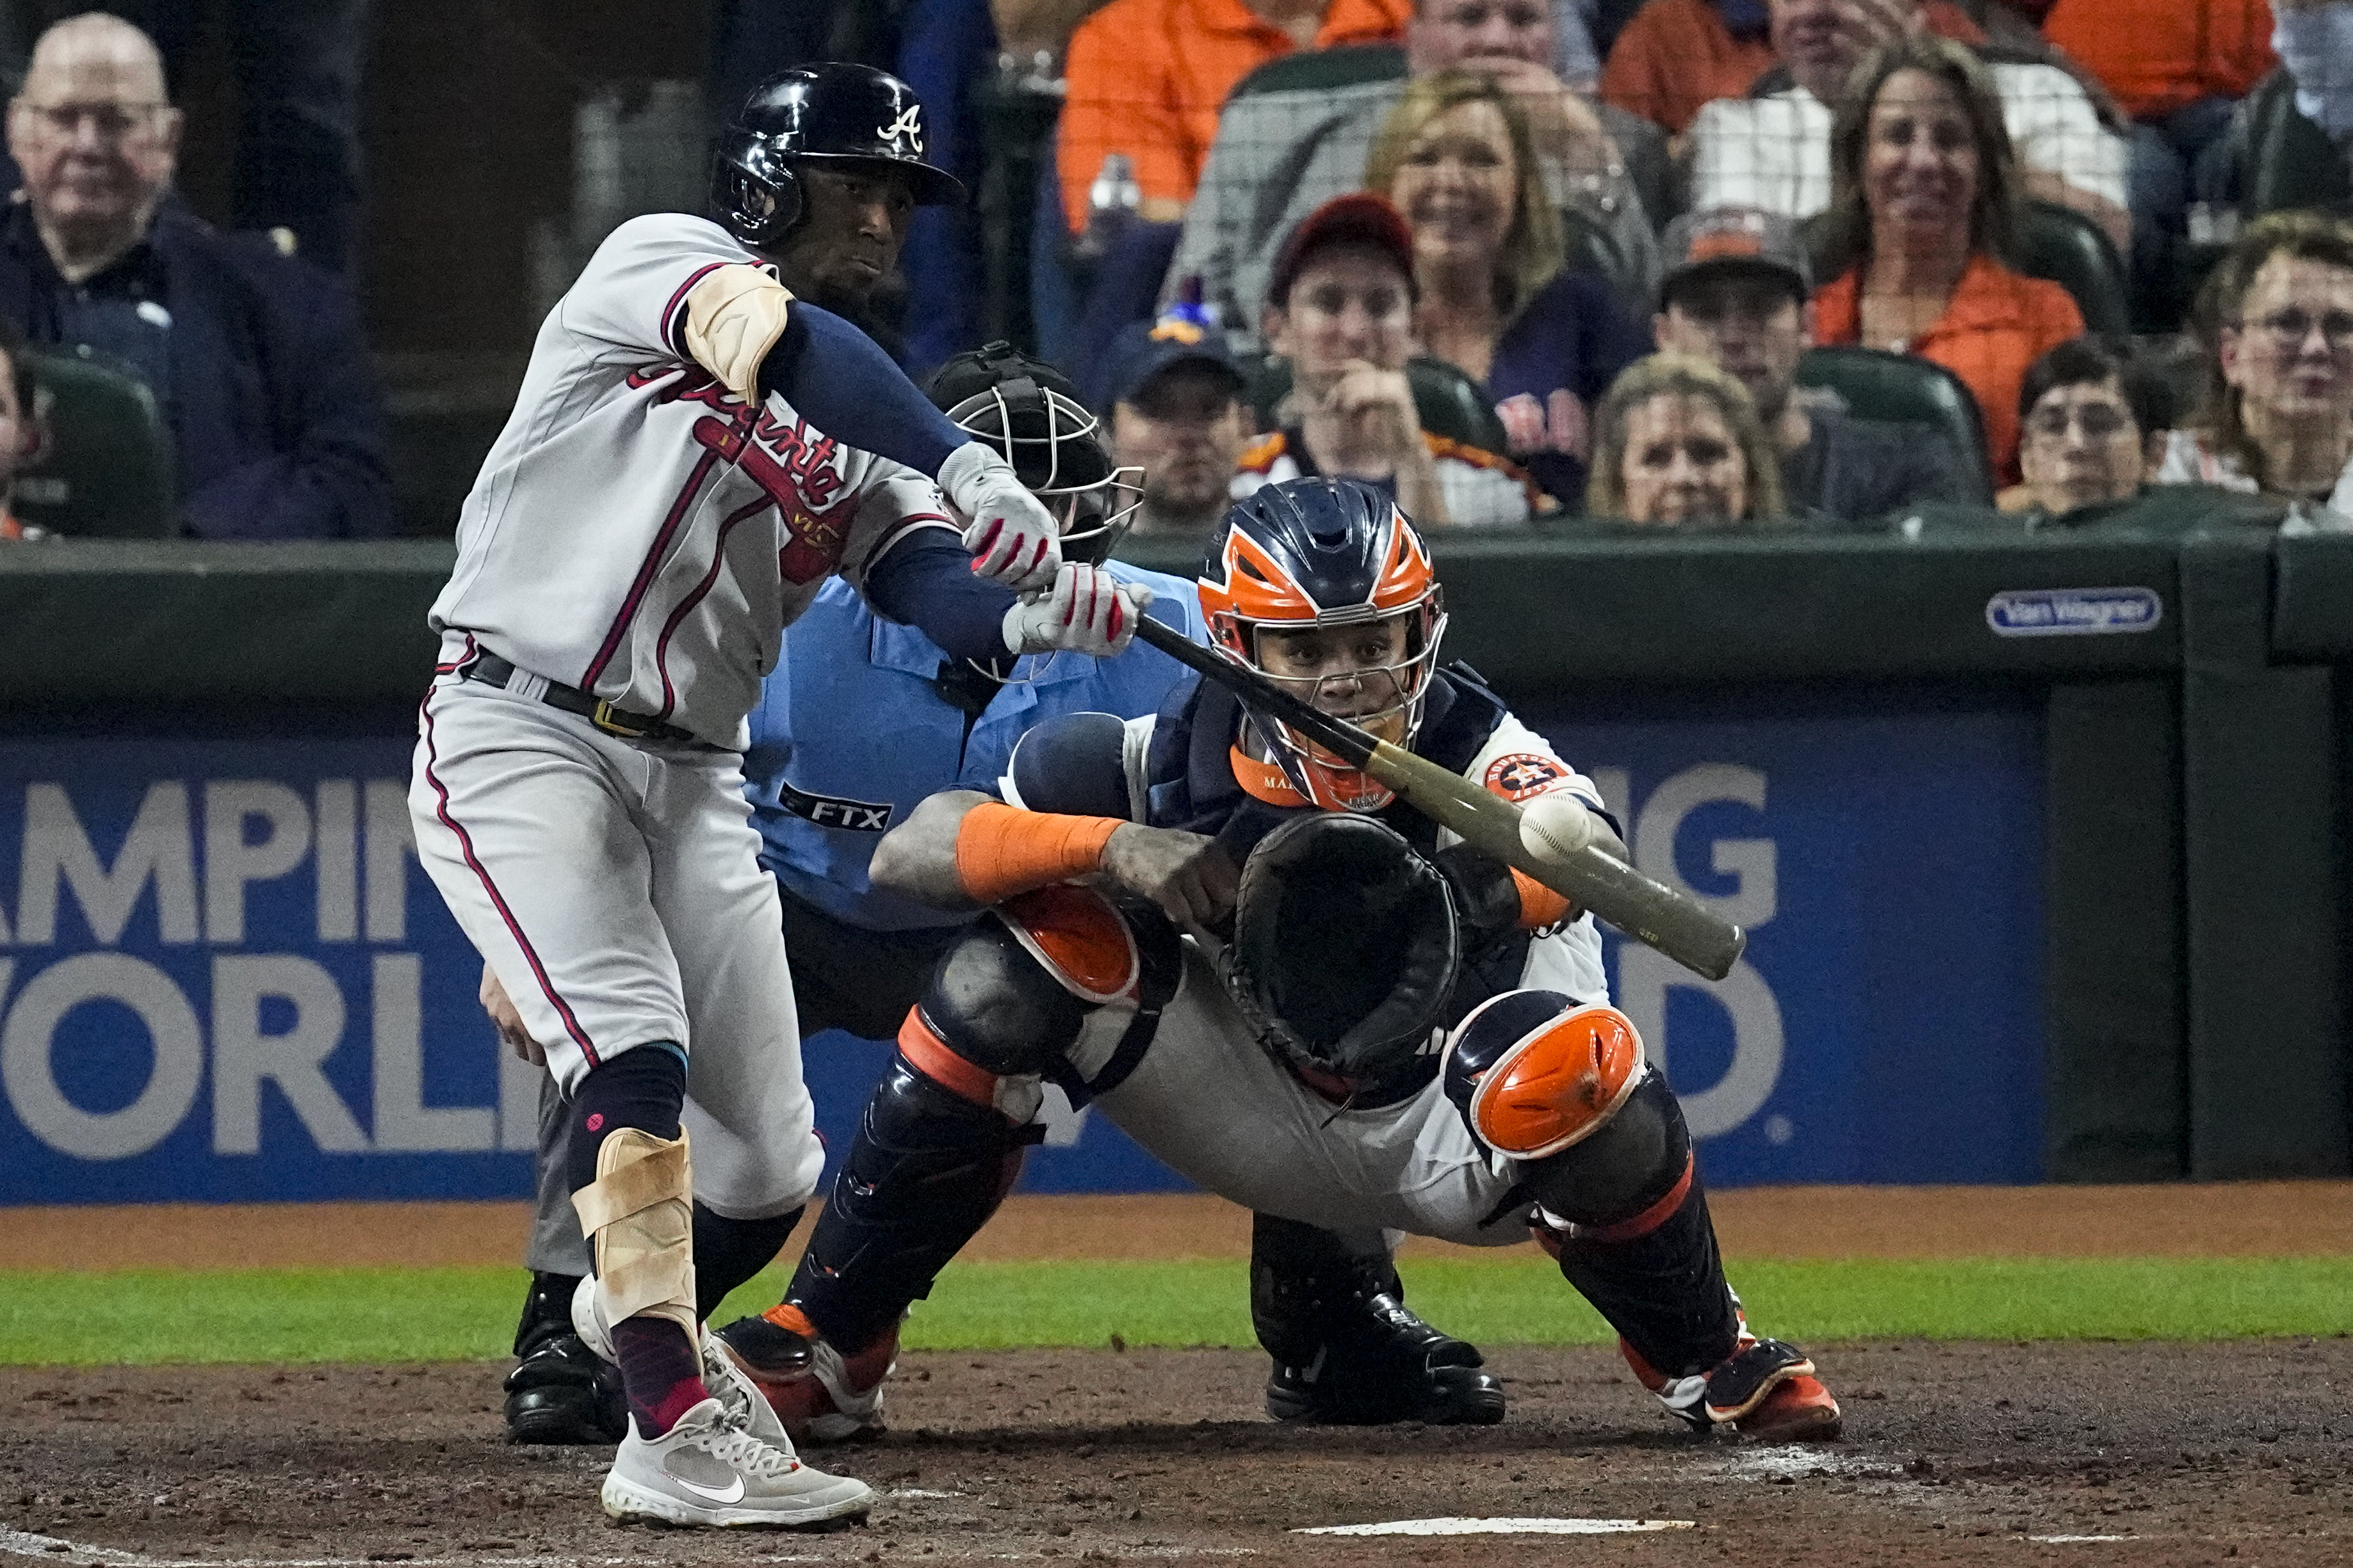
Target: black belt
{"type": "Point", "coordinates": [491, 671]}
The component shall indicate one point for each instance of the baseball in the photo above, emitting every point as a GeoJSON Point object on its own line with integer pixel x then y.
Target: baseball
{"type": "Point", "coordinates": [1555, 826]}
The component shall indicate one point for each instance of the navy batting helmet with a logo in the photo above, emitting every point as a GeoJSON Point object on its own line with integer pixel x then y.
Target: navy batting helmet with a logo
{"type": "Point", "coordinates": [817, 114]}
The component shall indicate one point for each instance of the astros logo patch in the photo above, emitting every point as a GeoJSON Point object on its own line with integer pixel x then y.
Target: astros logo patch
{"type": "Point", "coordinates": [1523, 773]}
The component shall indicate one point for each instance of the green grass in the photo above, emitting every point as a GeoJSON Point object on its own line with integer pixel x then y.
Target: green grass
{"type": "Point", "coordinates": [403, 1315]}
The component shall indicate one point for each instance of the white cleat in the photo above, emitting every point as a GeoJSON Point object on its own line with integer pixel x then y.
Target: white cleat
{"type": "Point", "coordinates": [710, 1470]}
{"type": "Point", "coordinates": [746, 1406]}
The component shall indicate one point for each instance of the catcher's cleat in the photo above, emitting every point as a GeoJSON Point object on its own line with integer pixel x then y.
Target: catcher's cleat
{"type": "Point", "coordinates": [1763, 1389]}
{"type": "Point", "coordinates": [819, 1394]}
{"type": "Point", "coordinates": [709, 1470]}
{"type": "Point", "coordinates": [560, 1391]}
{"type": "Point", "coordinates": [1379, 1364]}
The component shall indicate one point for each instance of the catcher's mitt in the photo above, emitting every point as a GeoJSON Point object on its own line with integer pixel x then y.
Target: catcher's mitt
{"type": "Point", "coordinates": [1345, 945]}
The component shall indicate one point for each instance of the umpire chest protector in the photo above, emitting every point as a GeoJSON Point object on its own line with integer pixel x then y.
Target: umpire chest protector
{"type": "Point", "coordinates": [1190, 784]}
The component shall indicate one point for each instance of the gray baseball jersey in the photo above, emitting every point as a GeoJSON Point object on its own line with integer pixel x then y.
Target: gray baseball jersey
{"type": "Point", "coordinates": [643, 533]}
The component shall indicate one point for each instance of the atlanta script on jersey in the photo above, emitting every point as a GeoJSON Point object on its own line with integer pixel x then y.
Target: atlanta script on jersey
{"type": "Point", "coordinates": [641, 533]}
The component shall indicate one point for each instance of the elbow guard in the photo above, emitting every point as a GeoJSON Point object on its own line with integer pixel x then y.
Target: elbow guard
{"type": "Point", "coordinates": [733, 317]}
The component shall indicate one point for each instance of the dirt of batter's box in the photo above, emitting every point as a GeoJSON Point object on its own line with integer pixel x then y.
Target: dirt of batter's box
{"type": "Point", "coordinates": [2161, 1454]}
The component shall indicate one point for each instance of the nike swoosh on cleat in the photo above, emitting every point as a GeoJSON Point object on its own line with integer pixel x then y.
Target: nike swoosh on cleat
{"type": "Point", "coordinates": [732, 1493]}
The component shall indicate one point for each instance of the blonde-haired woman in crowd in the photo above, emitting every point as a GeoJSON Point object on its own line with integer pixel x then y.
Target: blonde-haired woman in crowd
{"type": "Point", "coordinates": [1677, 444]}
{"type": "Point", "coordinates": [2277, 321]}
{"type": "Point", "coordinates": [1497, 297]}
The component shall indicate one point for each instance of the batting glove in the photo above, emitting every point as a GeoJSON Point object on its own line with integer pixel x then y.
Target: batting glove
{"type": "Point", "coordinates": [1011, 536]}
{"type": "Point", "coordinates": [1088, 611]}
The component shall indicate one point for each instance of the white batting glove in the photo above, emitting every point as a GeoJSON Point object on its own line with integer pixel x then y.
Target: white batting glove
{"type": "Point", "coordinates": [1012, 537]}
{"type": "Point", "coordinates": [1088, 611]}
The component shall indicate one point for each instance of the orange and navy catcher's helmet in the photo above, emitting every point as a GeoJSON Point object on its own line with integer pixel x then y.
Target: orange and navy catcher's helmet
{"type": "Point", "coordinates": [1329, 553]}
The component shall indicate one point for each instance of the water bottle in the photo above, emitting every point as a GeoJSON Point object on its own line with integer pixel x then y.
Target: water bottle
{"type": "Point", "coordinates": [1112, 202]}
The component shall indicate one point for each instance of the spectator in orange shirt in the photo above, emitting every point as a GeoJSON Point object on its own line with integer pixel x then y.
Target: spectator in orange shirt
{"type": "Point", "coordinates": [1676, 54]}
{"type": "Point", "coordinates": [2159, 59]}
{"type": "Point", "coordinates": [2178, 68]}
{"type": "Point", "coordinates": [1919, 220]}
{"type": "Point", "coordinates": [1147, 77]}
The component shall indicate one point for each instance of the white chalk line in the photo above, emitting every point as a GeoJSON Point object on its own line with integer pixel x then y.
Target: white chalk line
{"type": "Point", "coordinates": [1501, 1527]}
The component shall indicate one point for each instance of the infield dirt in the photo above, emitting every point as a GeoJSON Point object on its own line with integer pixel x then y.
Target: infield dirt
{"type": "Point", "coordinates": [2145, 1454]}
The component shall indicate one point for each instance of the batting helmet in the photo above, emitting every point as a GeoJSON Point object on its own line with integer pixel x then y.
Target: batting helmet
{"type": "Point", "coordinates": [825, 113]}
{"type": "Point", "coordinates": [1316, 552]}
{"type": "Point", "coordinates": [1028, 411]}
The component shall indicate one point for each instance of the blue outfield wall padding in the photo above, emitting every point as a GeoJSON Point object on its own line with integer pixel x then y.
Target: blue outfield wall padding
{"type": "Point", "coordinates": [226, 979]}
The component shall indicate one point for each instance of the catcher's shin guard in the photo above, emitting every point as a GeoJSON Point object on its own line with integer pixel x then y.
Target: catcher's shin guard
{"type": "Point", "coordinates": [639, 1215]}
{"type": "Point", "coordinates": [942, 1138]}
{"type": "Point", "coordinates": [1347, 1350]}
{"type": "Point", "coordinates": [925, 1170]}
{"type": "Point", "coordinates": [1626, 1215]}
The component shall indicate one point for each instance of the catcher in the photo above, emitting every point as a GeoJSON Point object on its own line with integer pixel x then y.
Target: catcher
{"type": "Point", "coordinates": [1298, 992]}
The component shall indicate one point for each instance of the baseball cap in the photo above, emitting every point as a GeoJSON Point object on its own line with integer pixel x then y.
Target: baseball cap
{"type": "Point", "coordinates": [1144, 349]}
{"type": "Point", "coordinates": [1362, 218]}
{"type": "Point", "coordinates": [1727, 239]}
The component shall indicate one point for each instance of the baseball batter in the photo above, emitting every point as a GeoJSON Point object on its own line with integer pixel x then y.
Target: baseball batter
{"type": "Point", "coordinates": [1292, 989]}
{"type": "Point", "coordinates": [692, 454]}
{"type": "Point", "coordinates": [826, 780]}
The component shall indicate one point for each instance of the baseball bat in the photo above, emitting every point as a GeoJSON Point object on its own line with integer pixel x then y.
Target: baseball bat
{"type": "Point", "coordinates": [1651, 912]}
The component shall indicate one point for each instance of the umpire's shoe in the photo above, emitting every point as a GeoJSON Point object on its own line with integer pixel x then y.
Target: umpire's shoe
{"type": "Point", "coordinates": [560, 1391]}
{"type": "Point", "coordinates": [1347, 1353]}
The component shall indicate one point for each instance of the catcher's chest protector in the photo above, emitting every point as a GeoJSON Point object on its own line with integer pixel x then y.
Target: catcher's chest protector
{"type": "Point", "coordinates": [1190, 784]}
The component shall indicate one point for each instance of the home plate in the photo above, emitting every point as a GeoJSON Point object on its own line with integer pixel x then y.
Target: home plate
{"type": "Point", "coordinates": [1501, 1527]}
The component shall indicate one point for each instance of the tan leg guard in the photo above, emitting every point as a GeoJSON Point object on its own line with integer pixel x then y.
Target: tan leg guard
{"type": "Point", "coordinates": [639, 1215]}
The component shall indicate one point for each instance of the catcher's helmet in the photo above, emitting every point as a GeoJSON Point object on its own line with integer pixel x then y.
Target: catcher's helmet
{"type": "Point", "coordinates": [1329, 553]}
{"type": "Point", "coordinates": [825, 113]}
{"type": "Point", "coordinates": [1029, 412]}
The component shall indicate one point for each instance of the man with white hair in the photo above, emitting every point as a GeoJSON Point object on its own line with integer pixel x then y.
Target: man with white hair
{"type": "Point", "coordinates": [255, 358]}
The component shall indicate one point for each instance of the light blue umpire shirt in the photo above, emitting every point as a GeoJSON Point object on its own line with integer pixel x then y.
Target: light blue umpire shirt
{"type": "Point", "coordinates": [853, 730]}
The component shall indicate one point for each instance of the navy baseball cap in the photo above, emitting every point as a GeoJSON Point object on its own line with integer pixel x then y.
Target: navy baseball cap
{"type": "Point", "coordinates": [1144, 349]}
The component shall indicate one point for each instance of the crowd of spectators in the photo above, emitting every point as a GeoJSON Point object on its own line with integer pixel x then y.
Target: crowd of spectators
{"type": "Point", "coordinates": [1797, 264]}
{"type": "Point", "coordinates": [1788, 264]}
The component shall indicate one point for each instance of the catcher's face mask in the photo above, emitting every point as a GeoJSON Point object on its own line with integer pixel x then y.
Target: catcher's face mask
{"type": "Point", "coordinates": [1324, 584]}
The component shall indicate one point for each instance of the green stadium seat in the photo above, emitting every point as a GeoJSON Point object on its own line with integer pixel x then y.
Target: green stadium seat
{"type": "Point", "coordinates": [2064, 247]}
{"type": "Point", "coordinates": [1323, 70]}
{"type": "Point", "coordinates": [1876, 384]}
{"type": "Point", "coordinates": [1448, 402]}
{"type": "Point", "coordinates": [2291, 162]}
{"type": "Point", "coordinates": [104, 467]}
